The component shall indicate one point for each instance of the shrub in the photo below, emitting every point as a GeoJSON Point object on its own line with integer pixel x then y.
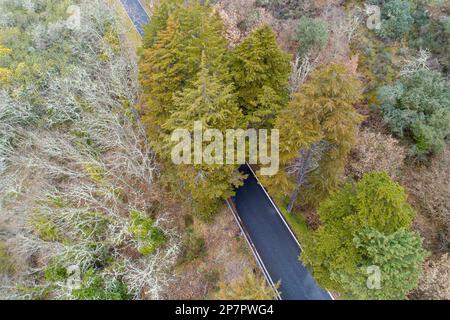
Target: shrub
{"type": "Point", "coordinates": [249, 287]}
{"type": "Point", "coordinates": [148, 236]}
{"type": "Point", "coordinates": [396, 19]}
{"type": "Point", "coordinates": [312, 34]}
{"type": "Point", "coordinates": [417, 108]}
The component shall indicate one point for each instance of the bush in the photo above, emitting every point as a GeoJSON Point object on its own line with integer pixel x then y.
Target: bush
{"type": "Point", "coordinates": [312, 34]}
{"type": "Point", "coordinates": [6, 265]}
{"type": "Point", "coordinates": [94, 287]}
{"type": "Point", "coordinates": [148, 236]}
{"type": "Point", "coordinates": [417, 108]}
{"type": "Point", "coordinates": [363, 225]}
{"type": "Point", "coordinates": [396, 19]}
{"type": "Point", "coordinates": [249, 287]}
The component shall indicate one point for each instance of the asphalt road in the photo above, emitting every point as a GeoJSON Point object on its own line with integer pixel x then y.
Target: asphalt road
{"type": "Point", "coordinates": [137, 14]}
{"type": "Point", "coordinates": [275, 244]}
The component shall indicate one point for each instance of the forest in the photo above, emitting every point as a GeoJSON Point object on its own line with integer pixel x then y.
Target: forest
{"type": "Point", "coordinates": [93, 207]}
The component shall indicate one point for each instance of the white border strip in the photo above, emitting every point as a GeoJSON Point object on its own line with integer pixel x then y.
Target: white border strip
{"type": "Point", "coordinates": [254, 251]}
{"type": "Point", "coordinates": [131, 20]}
{"type": "Point", "coordinates": [143, 7]}
{"type": "Point", "coordinates": [279, 213]}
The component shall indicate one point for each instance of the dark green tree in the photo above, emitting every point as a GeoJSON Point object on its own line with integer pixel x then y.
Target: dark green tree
{"type": "Point", "coordinates": [260, 70]}
{"type": "Point", "coordinates": [417, 108]}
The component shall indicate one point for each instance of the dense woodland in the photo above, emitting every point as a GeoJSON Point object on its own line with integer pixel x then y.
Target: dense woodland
{"type": "Point", "coordinates": [86, 116]}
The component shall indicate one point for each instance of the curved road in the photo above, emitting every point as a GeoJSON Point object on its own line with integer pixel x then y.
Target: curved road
{"type": "Point", "coordinates": [276, 248]}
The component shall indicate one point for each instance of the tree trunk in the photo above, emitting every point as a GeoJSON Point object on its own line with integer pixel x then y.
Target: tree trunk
{"type": "Point", "coordinates": [293, 197]}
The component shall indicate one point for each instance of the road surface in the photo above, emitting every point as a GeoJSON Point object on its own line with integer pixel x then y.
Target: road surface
{"type": "Point", "coordinates": [137, 14]}
{"type": "Point", "coordinates": [274, 242]}
{"type": "Point", "coordinates": [266, 231]}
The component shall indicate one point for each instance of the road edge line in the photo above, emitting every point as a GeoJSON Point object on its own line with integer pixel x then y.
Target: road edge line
{"type": "Point", "coordinates": [254, 251]}
{"type": "Point", "coordinates": [281, 215]}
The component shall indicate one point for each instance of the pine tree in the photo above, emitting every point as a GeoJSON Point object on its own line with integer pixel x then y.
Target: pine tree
{"type": "Point", "coordinates": [158, 22]}
{"type": "Point", "coordinates": [162, 72]}
{"type": "Point", "coordinates": [174, 62]}
{"type": "Point", "coordinates": [317, 131]}
{"type": "Point", "coordinates": [260, 71]}
{"type": "Point", "coordinates": [363, 225]}
{"type": "Point", "coordinates": [213, 103]}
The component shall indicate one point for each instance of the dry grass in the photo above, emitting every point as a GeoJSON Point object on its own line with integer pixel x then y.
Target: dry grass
{"type": "Point", "coordinates": [226, 258]}
{"type": "Point", "coordinates": [131, 36]}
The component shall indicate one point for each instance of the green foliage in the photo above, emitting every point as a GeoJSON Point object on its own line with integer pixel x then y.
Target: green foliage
{"type": "Point", "coordinates": [175, 59]}
{"type": "Point", "coordinates": [6, 264]}
{"type": "Point", "coordinates": [396, 19]}
{"type": "Point", "coordinates": [45, 228]}
{"type": "Point", "coordinates": [55, 272]}
{"type": "Point", "coordinates": [212, 103]}
{"type": "Point", "coordinates": [260, 71]}
{"type": "Point", "coordinates": [321, 112]}
{"type": "Point", "coordinates": [94, 287]}
{"type": "Point", "coordinates": [158, 22]}
{"type": "Point", "coordinates": [417, 108]}
{"type": "Point", "coordinates": [363, 225]}
{"type": "Point", "coordinates": [148, 236]}
{"type": "Point", "coordinates": [312, 34]}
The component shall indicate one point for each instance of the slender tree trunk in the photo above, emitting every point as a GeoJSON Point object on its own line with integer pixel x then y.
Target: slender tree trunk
{"type": "Point", "coordinates": [293, 197]}
{"type": "Point", "coordinates": [304, 163]}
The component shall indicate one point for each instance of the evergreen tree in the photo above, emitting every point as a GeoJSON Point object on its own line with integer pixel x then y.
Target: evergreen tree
{"type": "Point", "coordinates": [213, 103]}
{"type": "Point", "coordinates": [363, 225]}
{"type": "Point", "coordinates": [260, 71]}
{"type": "Point", "coordinates": [158, 22]}
{"type": "Point", "coordinates": [317, 131]}
{"type": "Point", "coordinates": [397, 258]}
{"type": "Point", "coordinates": [162, 72]}
{"type": "Point", "coordinates": [174, 62]}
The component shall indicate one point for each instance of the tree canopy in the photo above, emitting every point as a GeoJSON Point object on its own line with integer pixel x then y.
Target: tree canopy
{"type": "Point", "coordinates": [317, 131]}
{"type": "Point", "coordinates": [260, 71]}
{"type": "Point", "coordinates": [366, 224]}
{"type": "Point", "coordinates": [417, 108]}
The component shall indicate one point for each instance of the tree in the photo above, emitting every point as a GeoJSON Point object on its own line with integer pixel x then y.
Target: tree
{"type": "Point", "coordinates": [417, 108]}
{"type": "Point", "coordinates": [317, 131]}
{"type": "Point", "coordinates": [158, 22]}
{"type": "Point", "coordinates": [249, 287]}
{"type": "Point", "coordinates": [363, 225]}
{"type": "Point", "coordinates": [396, 18]}
{"type": "Point", "coordinates": [209, 101]}
{"type": "Point", "coordinates": [312, 34]}
{"type": "Point", "coordinates": [260, 71]}
{"type": "Point", "coordinates": [174, 61]}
